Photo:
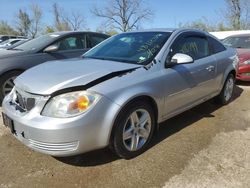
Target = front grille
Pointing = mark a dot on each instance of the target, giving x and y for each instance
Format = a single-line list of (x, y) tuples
[(20, 101), (23, 101)]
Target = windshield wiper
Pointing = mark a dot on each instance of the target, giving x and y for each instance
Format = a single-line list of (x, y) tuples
[(101, 58), (112, 59)]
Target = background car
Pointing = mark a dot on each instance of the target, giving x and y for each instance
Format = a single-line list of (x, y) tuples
[(8, 43), (17, 44), (118, 92), (242, 44), (60, 45), (6, 37)]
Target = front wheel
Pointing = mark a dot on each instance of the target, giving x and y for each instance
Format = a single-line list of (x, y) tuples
[(226, 93), (7, 83), (133, 130)]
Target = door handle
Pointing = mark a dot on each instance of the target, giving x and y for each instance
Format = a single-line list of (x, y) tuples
[(210, 68)]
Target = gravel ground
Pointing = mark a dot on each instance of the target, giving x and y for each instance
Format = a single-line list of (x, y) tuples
[(207, 146), (225, 163)]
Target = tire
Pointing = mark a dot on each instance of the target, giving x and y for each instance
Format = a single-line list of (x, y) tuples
[(131, 139), (227, 91), (6, 83)]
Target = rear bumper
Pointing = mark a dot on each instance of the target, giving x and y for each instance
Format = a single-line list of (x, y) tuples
[(243, 73)]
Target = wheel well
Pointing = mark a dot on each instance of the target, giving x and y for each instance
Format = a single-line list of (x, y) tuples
[(7, 72), (148, 100), (145, 98), (233, 72)]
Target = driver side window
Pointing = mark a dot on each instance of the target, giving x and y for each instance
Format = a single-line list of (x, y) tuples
[(71, 43), (195, 46)]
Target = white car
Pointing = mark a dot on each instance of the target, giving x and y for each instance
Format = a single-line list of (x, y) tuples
[(10, 42)]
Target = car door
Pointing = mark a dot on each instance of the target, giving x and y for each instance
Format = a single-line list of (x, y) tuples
[(71, 46), (193, 82)]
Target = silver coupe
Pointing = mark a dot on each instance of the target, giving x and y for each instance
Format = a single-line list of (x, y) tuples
[(119, 92)]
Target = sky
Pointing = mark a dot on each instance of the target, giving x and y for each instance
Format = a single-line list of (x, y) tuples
[(167, 13)]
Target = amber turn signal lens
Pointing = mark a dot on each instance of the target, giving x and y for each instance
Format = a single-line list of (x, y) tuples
[(82, 103)]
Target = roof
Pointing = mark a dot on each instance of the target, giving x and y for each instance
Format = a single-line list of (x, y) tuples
[(158, 30), (169, 30), (73, 32)]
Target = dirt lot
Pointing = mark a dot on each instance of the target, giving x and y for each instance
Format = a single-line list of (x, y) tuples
[(207, 146)]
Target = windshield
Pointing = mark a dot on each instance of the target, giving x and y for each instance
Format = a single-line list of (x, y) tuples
[(237, 42), (36, 43), (136, 48)]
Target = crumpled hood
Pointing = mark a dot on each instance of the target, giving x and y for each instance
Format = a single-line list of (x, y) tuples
[(50, 77)]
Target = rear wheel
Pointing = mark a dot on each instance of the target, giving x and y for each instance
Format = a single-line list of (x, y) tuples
[(226, 93), (133, 130), (7, 83)]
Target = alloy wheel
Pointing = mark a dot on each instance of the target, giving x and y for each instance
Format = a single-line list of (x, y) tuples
[(229, 89), (137, 130), (8, 85)]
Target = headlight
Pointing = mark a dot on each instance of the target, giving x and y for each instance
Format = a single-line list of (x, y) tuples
[(70, 104)]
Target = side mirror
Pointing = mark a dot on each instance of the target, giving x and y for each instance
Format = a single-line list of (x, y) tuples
[(179, 58), (51, 48)]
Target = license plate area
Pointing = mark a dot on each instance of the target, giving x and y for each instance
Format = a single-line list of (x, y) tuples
[(9, 123)]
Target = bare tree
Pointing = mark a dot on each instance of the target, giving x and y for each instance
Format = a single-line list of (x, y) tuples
[(201, 24), (65, 21), (23, 22), (35, 20), (245, 22), (234, 13), (75, 20), (49, 29), (60, 24), (6, 29), (124, 15), (237, 14)]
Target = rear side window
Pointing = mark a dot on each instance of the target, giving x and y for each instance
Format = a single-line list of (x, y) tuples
[(216, 46), (237, 41), (96, 39)]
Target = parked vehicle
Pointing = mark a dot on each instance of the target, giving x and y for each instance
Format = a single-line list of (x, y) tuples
[(118, 92), (17, 44), (53, 46), (224, 34), (6, 37), (242, 44), (8, 43)]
